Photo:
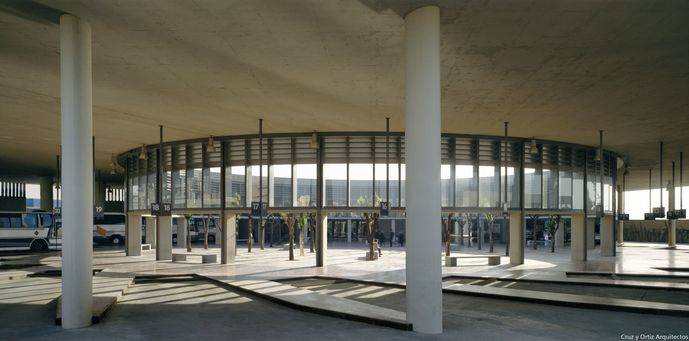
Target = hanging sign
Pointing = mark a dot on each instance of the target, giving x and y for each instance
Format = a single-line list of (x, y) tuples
[(622, 216), (384, 208), (98, 212), (659, 212), (161, 210), (259, 209)]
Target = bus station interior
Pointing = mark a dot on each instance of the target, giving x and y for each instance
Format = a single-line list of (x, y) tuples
[(352, 168)]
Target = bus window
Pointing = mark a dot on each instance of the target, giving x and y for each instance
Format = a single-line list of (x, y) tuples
[(30, 220), (113, 219), (46, 220), (15, 220), (5, 221)]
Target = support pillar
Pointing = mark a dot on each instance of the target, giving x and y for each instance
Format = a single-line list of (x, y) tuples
[(516, 238), (228, 239), (46, 184), (607, 241), (620, 233), (133, 235), (672, 234), (578, 245), (422, 138), (182, 232), (321, 238), (349, 231), (151, 231), (591, 233), (163, 238), (77, 171)]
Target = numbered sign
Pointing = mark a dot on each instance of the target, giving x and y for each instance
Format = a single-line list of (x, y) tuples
[(259, 209), (681, 214), (622, 216), (161, 210), (659, 212), (384, 208), (98, 212), (649, 216)]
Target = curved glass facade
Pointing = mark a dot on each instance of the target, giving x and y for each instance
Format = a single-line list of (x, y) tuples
[(359, 170)]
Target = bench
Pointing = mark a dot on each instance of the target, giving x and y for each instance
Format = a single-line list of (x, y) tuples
[(145, 247), (205, 257), (454, 260)]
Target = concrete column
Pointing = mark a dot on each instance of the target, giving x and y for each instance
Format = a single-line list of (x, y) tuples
[(455, 231), (578, 246), (321, 238), (422, 138), (163, 237), (620, 209), (349, 231), (591, 233), (620, 233), (560, 235), (77, 171), (516, 238), (133, 235), (182, 232), (607, 242), (151, 231), (228, 239), (672, 234), (46, 184)]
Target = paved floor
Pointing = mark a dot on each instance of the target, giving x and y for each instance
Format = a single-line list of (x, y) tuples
[(184, 310)]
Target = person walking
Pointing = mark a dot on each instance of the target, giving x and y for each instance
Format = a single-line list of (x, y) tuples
[(392, 237)]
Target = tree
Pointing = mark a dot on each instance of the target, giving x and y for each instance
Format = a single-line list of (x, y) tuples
[(490, 219), (250, 239), (461, 221), (371, 222), (551, 227), (303, 222), (261, 232), (206, 222), (448, 233), (291, 221), (312, 231)]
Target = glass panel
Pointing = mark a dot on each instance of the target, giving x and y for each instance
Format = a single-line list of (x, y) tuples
[(550, 198), (306, 185), (236, 186), (403, 180), (133, 193), (488, 186), (578, 190), (565, 189), (167, 186), (151, 189), (211, 187), (335, 178), (607, 189), (465, 178), (256, 185), (593, 188), (532, 188), (194, 178), (380, 183), (394, 177), (30, 220), (142, 192), (179, 184), (512, 186), (445, 185), (360, 184), (281, 185)]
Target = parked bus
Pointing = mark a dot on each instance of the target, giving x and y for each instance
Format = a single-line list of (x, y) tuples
[(37, 231), (109, 229)]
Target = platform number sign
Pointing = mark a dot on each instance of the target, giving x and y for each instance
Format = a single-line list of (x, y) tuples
[(161, 210), (622, 216), (98, 212), (259, 208), (384, 208)]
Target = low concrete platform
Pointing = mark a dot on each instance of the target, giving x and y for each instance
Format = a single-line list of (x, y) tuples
[(453, 260), (310, 301), (108, 287), (581, 301), (206, 258)]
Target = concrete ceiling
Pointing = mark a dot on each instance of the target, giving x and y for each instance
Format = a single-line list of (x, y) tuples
[(557, 70)]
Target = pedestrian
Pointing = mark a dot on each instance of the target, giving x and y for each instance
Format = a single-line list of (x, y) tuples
[(400, 239), (392, 237)]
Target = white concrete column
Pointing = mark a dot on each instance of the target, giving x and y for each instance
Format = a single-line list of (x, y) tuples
[(422, 143), (77, 171), (591, 233), (620, 233), (516, 238), (620, 209), (321, 238), (182, 232), (151, 231), (133, 235), (607, 242), (560, 235), (163, 238), (46, 184), (578, 245), (349, 231), (672, 234), (228, 239)]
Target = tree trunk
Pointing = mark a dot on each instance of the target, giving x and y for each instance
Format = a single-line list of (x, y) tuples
[(490, 237), (205, 232), (188, 218), (302, 231), (312, 230), (250, 240), (369, 227), (479, 233), (261, 233), (290, 225), (448, 239), (507, 239)]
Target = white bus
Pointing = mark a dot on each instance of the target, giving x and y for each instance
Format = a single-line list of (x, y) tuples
[(109, 229), (37, 231)]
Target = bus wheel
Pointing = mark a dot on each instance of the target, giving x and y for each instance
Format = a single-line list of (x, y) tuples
[(39, 246), (116, 240)]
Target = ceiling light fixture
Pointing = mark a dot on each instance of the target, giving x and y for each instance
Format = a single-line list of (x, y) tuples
[(534, 147), (142, 154), (314, 141), (210, 146)]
